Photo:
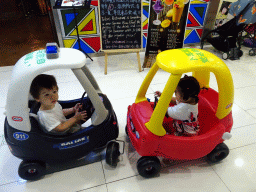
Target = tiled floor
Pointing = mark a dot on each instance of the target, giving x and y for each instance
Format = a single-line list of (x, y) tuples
[(236, 173)]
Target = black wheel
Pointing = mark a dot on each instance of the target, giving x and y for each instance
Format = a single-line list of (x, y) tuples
[(126, 130), (112, 153), (252, 52), (219, 153), (148, 166), (240, 53), (225, 56), (31, 170)]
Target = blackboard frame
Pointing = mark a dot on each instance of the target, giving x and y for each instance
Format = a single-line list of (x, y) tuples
[(120, 50)]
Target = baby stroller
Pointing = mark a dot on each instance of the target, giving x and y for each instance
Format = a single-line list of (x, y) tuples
[(249, 39), (227, 38)]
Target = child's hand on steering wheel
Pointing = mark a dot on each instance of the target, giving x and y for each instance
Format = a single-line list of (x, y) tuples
[(78, 106), (158, 93), (80, 115)]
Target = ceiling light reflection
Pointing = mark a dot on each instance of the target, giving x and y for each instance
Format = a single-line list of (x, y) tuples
[(239, 162)]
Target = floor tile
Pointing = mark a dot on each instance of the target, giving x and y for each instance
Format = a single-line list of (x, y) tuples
[(120, 107), (126, 167), (102, 188), (8, 166), (183, 177), (120, 62), (237, 171), (249, 67), (3, 94), (241, 117), (2, 119), (70, 90), (242, 136), (62, 75), (27, 187), (245, 97), (122, 86), (243, 79), (6, 68), (82, 177), (2, 142), (157, 87), (5, 77), (252, 112)]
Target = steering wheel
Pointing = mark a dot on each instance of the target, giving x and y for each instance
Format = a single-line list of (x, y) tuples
[(155, 102), (86, 105)]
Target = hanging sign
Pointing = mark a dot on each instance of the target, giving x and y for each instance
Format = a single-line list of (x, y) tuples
[(166, 30)]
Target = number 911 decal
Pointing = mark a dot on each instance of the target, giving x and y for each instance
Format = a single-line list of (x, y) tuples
[(20, 136)]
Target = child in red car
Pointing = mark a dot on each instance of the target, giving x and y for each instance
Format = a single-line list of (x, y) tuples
[(185, 110)]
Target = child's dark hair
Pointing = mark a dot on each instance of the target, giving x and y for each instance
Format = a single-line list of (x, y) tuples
[(42, 81), (225, 5), (189, 87)]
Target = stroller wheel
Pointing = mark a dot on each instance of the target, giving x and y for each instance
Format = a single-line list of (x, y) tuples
[(252, 52), (225, 56)]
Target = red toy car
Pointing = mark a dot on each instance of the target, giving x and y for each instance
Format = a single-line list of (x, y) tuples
[(147, 123)]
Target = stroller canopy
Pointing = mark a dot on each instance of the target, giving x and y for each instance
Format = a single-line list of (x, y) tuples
[(245, 9)]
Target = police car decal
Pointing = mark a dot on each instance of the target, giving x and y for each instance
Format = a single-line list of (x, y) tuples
[(73, 143), (20, 136)]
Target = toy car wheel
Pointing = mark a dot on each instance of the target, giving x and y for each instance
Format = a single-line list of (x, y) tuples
[(225, 56), (31, 170), (240, 53), (126, 130), (219, 153), (148, 166), (112, 153), (251, 52)]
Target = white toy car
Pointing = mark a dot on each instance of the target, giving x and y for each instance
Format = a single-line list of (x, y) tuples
[(29, 141)]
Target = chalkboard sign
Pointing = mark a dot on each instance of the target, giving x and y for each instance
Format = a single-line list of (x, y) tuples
[(120, 24)]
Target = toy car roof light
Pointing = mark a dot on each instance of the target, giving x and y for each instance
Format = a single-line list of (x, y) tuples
[(52, 50)]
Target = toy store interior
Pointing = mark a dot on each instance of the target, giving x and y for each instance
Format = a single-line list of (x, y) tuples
[(119, 67)]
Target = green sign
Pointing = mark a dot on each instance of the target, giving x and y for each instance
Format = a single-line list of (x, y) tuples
[(40, 57), (195, 54)]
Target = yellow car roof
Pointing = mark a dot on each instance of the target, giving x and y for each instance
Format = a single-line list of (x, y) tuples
[(179, 61)]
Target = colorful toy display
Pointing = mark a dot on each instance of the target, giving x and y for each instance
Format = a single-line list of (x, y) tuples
[(29, 141), (147, 125)]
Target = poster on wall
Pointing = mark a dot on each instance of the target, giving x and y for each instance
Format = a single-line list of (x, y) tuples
[(120, 24), (167, 22)]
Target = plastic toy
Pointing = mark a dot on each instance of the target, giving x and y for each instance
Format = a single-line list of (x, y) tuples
[(146, 125), (52, 51), (36, 147)]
